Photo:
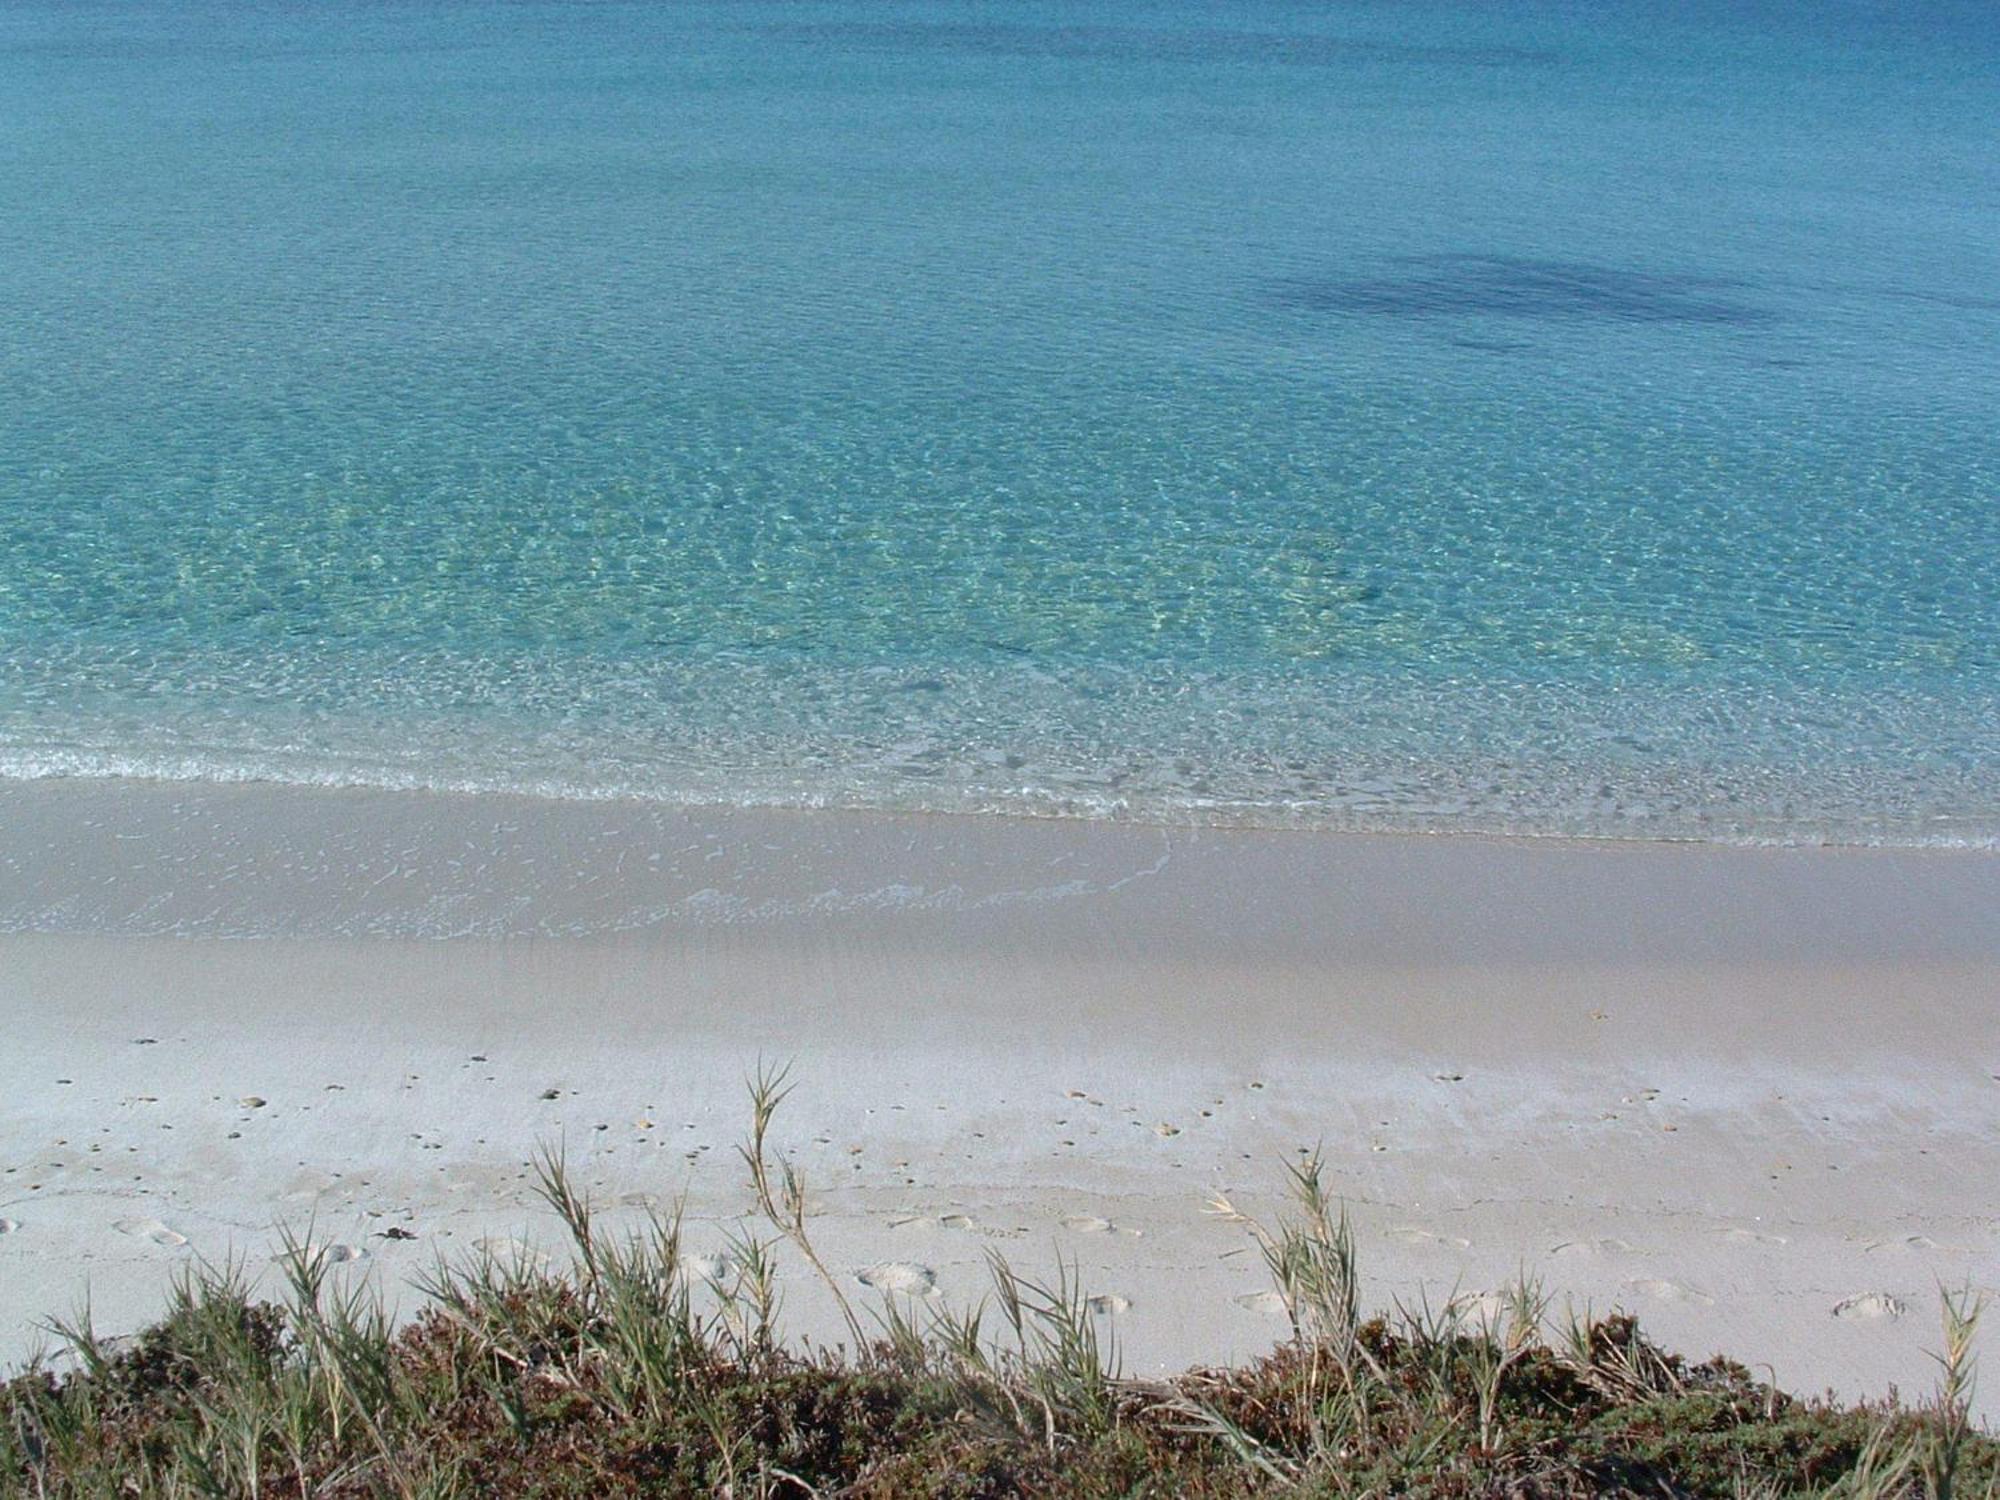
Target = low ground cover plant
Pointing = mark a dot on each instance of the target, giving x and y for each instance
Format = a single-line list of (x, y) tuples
[(637, 1370)]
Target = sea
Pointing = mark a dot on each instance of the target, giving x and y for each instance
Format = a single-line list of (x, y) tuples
[(1553, 417)]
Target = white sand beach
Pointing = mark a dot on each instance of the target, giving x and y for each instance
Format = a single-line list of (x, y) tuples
[(1748, 1094)]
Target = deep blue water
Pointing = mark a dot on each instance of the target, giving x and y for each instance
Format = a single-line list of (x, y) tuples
[(1566, 418)]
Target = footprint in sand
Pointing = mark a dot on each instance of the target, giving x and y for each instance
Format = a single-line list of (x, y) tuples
[(1753, 1237), (639, 1200), (1410, 1234), (1669, 1291), (1869, 1307), (1580, 1249), (1270, 1303), (960, 1222), (713, 1269), (1110, 1305), (902, 1277), (1914, 1244), (8, 1226), (151, 1229), (1087, 1224), (339, 1255), (1479, 1307), (510, 1252)]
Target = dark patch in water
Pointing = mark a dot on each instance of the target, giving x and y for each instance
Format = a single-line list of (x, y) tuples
[(1956, 300), (1493, 346), (1128, 43), (1447, 286)]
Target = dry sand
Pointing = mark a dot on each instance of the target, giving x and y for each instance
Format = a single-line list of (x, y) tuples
[(1748, 1094)]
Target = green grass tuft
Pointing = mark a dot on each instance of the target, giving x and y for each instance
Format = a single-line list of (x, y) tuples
[(618, 1375)]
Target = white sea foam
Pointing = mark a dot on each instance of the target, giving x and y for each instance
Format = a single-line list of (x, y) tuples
[(1853, 809)]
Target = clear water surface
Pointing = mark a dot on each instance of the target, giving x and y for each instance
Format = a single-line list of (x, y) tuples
[(1542, 417)]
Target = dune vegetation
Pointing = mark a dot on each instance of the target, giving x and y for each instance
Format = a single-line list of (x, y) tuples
[(636, 1369)]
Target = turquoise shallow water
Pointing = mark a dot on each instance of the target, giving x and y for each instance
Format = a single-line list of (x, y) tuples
[(1520, 417)]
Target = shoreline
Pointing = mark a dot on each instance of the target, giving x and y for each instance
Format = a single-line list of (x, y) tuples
[(1732, 1089), (1523, 759), (123, 856), (1191, 820)]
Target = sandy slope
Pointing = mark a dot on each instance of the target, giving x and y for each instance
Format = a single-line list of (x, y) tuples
[(1749, 1094)]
